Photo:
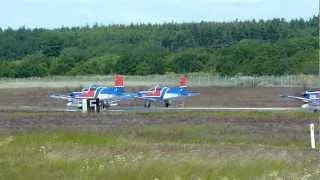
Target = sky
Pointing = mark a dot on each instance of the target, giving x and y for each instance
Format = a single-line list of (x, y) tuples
[(57, 13)]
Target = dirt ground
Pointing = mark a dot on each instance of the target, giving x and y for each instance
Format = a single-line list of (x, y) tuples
[(18, 110), (243, 97), (210, 97), (235, 136)]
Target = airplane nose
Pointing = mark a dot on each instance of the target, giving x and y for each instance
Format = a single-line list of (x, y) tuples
[(305, 106)]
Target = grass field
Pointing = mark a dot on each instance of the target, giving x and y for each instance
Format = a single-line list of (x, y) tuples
[(195, 79), (37, 143), (197, 145)]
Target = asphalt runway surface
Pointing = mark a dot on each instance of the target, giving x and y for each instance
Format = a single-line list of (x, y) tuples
[(31, 110), (152, 109), (211, 99)]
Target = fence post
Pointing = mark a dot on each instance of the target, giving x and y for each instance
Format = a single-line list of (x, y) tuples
[(319, 130), (313, 143), (97, 105), (253, 81), (84, 106)]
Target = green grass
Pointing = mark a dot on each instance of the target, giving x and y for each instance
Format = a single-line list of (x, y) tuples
[(156, 152), (195, 79), (77, 138), (35, 165), (199, 114), (249, 115), (222, 134)]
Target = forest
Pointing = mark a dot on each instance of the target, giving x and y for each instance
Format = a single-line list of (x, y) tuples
[(255, 48)]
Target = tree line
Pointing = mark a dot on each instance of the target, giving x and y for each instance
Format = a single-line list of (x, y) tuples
[(263, 47)]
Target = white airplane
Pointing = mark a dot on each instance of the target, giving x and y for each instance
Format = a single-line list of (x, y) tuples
[(108, 96), (166, 95), (310, 99)]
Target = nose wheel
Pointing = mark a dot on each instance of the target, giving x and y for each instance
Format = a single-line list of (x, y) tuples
[(167, 103), (105, 104), (147, 104)]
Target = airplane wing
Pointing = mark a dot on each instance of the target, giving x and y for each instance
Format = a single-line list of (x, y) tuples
[(128, 95), (122, 97), (147, 99), (296, 98), (184, 96), (61, 96), (114, 101), (190, 94)]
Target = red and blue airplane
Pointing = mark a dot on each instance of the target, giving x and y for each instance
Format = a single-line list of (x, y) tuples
[(108, 96), (310, 99), (166, 95)]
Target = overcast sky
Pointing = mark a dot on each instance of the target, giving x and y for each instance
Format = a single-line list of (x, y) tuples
[(57, 13)]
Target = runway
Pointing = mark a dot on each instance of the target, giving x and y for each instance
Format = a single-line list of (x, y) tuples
[(213, 109), (232, 108), (152, 109)]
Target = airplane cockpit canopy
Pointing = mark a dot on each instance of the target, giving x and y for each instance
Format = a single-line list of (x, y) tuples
[(90, 87), (155, 88)]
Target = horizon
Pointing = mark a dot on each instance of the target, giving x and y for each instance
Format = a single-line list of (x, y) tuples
[(92, 25), (46, 14)]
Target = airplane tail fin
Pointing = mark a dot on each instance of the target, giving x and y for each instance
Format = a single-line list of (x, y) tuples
[(183, 81), (119, 82), (183, 87)]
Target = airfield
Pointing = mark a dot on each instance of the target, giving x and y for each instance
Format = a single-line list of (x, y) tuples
[(212, 99), (225, 133)]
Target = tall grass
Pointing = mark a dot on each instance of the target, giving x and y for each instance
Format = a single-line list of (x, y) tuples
[(195, 79), (155, 152)]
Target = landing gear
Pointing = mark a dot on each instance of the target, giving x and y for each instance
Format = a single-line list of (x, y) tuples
[(105, 105), (147, 104), (167, 103), (91, 105)]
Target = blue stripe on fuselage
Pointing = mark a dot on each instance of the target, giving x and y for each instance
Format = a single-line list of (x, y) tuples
[(173, 90), (315, 103), (312, 95), (152, 97), (118, 90), (98, 91), (178, 90), (110, 90), (163, 92)]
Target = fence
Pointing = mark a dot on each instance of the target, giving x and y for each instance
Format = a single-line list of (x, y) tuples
[(198, 79)]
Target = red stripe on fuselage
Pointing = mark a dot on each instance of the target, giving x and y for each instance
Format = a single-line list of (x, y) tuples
[(89, 94), (154, 93)]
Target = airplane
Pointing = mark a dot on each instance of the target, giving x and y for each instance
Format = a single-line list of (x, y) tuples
[(166, 95), (108, 96), (311, 100)]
